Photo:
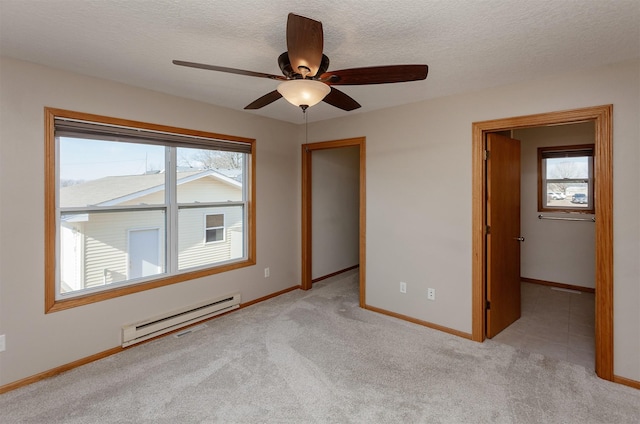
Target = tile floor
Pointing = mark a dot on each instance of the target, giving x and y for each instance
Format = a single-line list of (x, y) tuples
[(554, 323)]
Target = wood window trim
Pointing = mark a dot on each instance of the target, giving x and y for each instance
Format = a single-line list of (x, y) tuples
[(541, 186), (51, 304)]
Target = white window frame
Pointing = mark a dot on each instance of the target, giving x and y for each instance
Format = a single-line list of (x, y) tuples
[(223, 228)]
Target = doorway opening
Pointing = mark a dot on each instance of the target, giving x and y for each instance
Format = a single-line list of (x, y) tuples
[(557, 247), (307, 223), (603, 192)]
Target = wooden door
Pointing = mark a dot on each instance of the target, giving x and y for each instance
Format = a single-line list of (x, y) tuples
[(503, 232)]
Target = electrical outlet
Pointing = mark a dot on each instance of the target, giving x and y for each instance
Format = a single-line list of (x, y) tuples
[(3, 343), (431, 294), (267, 273), (403, 287)]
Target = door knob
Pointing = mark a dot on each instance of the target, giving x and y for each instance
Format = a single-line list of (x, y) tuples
[(519, 238)]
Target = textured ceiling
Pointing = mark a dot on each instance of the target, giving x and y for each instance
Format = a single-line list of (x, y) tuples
[(468, 44)]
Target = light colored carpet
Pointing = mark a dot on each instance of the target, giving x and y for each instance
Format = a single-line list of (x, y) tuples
[(315, 357)]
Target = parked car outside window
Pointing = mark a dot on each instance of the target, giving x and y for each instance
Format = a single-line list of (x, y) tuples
[(579, 198)]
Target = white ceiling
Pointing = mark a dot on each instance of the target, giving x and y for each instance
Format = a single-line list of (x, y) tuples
[(468, 44)]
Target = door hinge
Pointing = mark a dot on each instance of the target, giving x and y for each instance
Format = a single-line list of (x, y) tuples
[(488, 305), (486, 155), (487, 229)]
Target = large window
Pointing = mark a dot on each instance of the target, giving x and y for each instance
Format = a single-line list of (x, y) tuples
[(565, 176), (126, 203)]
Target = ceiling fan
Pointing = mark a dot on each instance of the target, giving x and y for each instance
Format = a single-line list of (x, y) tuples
[(306, 80)]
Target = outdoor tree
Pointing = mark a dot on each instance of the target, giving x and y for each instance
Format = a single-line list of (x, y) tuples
[(569, 170), (70, 182), (211, 159)]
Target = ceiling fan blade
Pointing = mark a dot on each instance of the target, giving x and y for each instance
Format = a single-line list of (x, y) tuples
[(264, 100), (305, 42), (340, 100), (228, 70), (376, 75)]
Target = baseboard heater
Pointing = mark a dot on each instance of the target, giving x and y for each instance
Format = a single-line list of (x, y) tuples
[(153, 327)]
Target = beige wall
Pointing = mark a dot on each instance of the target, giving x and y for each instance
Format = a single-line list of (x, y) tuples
[(335, 190), (37, 342), (557, 251), (419, 156)]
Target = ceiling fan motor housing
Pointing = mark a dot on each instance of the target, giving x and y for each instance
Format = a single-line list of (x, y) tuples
[(285, 66)]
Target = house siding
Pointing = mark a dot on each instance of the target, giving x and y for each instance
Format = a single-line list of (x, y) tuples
[(193, 251), (208, 189), (106, 235), (106, 244)]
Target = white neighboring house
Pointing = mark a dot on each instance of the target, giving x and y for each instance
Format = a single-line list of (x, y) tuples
[(113, 246)]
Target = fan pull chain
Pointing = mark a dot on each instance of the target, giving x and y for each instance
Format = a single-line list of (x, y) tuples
[(306, 123)]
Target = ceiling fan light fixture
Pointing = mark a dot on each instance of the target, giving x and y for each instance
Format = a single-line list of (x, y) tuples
[(303, 92), (304, 66)]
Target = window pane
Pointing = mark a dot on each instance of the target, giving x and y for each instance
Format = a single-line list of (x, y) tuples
[(567, 195), (215, 221), (578, 195), (567, 168), (215, 235), (127, 206), (193, 251), (99, 249), (107, 173), (212, 175)]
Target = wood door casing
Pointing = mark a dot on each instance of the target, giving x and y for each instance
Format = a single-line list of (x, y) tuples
[(602, 116), (307, 150), (503, 220)]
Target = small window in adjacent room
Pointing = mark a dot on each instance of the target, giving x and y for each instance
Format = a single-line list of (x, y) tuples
[(565, 179), (214, 230)]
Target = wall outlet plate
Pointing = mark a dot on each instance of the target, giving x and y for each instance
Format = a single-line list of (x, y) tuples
[(403, 287), (3, 343), (431, 294)]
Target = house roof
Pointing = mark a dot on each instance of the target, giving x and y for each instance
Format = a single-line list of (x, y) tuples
[(113, 190), (469, 45)]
